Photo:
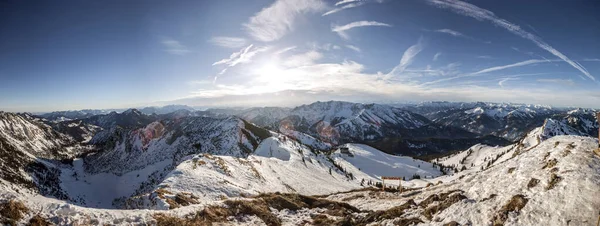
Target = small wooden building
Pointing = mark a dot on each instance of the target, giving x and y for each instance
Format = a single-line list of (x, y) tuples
[(346, 151)]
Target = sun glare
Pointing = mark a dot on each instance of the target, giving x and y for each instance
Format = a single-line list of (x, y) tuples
[(270, 72)]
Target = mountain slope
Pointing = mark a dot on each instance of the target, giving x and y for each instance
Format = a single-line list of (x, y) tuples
[(30, 152)]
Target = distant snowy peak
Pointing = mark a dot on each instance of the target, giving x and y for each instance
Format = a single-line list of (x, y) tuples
[(576, 122), (265, 116), (70, 115), (338, 113), (336, 121), (165, 109)]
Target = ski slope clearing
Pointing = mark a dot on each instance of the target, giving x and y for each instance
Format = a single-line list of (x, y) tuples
[(368, 163)]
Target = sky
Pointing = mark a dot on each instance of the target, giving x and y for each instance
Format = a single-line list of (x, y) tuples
[(67, 55)]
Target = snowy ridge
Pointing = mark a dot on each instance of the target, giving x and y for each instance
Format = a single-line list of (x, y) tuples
[(564, 170)]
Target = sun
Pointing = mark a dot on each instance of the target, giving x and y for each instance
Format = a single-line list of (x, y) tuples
[(270, 72)]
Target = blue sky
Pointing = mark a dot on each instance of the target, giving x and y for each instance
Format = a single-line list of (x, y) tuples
[(59, 55)]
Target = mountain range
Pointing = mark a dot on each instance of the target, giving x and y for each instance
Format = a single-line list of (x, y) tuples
[(66, 165)]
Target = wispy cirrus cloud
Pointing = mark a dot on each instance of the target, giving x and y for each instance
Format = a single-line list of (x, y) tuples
[(245, 55), (408, 57), (175, 47), (484, 57), (228, 42), (458, 34), (473, 11), (345, 2), (437, 56), (568, 82), (504, 80), (353, 48), (451, 32), (277, 20), (347, 6), (341, 30), (502, 67), (489, 70)]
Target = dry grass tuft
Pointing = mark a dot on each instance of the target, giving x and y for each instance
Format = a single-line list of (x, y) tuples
[(554, 179), (37, 220), (392, 213), (515, 204), (408, 221), (511, 169), (215, 214), (254, 207), (161, 192), (489, 197), (550, 163), (452, 223), (533, 182), (322, 220), (295, 202), (357, 196), (221, 163), (12, 211), (444, 204), (435, 197)]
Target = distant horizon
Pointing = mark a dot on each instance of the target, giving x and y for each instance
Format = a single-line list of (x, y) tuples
[(204, 108)]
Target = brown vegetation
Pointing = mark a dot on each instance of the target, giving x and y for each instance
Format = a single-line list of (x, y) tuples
[(554, 179), (452, 223), (37, 220), (489, 197), (550, 163), (357, 196), (322, 220), (392, 213), (511, 169), (515, 204), (444, 204), (213, 214), (532, 183), (12, 211)]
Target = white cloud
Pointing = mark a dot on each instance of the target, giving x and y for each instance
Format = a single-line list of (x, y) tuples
[(436, 56), (451, 32), (491, 69), (353, 48), (340, 30), (303, 59), (470, 10), (558, 81), (242, 56), (277, 20), (228, 42), (284, 50), (175, 47), (518, 64), (345, 2), (504, 80), (347, 6), (408, 57)]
